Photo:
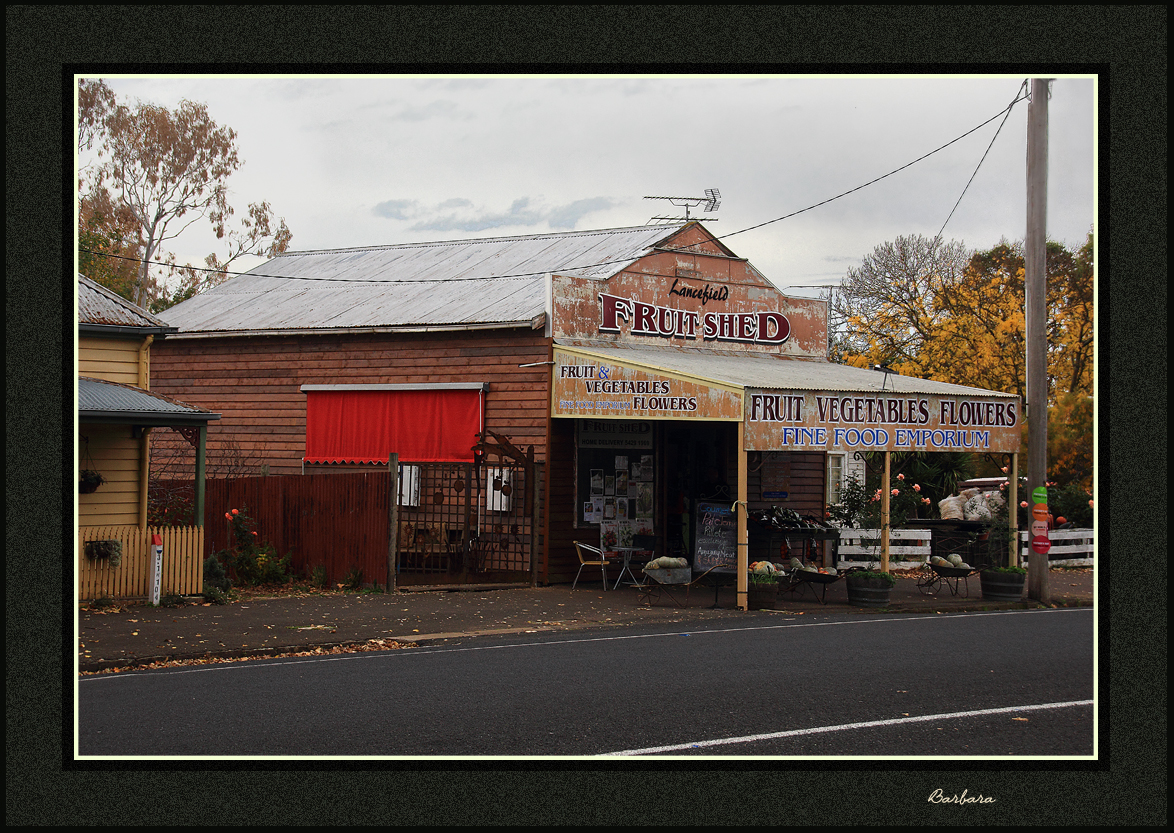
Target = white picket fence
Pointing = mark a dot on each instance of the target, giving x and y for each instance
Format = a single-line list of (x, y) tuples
[(861, 546), (1070, 547)]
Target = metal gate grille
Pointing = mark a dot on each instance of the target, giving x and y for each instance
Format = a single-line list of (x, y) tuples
[(458, 519)]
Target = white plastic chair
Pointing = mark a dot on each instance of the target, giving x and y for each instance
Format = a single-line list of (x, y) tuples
[(590, 556)]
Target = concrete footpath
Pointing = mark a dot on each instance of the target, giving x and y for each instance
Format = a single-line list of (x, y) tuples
[(298, 621)]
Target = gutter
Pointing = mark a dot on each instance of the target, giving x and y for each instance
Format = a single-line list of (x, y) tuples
[(155, 419), (123, 331), (535, 323)]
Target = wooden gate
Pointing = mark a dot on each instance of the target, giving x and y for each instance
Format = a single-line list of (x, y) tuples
[(464, 520)]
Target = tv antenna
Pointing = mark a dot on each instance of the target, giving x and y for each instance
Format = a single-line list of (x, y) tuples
[(711, 201), (885, 369)]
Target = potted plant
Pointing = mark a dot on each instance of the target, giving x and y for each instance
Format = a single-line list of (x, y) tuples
[(1002, 584), (109, 551), (89, 481), (869, 588), (762, 590)]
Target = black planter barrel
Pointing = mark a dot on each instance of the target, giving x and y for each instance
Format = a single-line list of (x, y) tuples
[(761, 596), (1002, 587), (868, 592)]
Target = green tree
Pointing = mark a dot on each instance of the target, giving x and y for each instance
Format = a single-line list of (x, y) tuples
[(978, 332), (108, 246), (165, 169), (911, 306), (981, 329), (883, 312), (1070, 430), (256, 235)]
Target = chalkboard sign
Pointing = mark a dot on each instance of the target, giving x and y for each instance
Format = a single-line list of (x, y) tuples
[(717, 538)]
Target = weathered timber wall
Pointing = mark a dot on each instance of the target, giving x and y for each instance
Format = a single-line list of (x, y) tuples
[(254, 383)]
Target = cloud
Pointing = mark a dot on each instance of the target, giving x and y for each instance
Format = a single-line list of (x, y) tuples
[(427, 112), (565, 217), (394, 209), (520, 213)]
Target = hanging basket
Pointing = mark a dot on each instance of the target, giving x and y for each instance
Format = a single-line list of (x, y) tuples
[(105, 550), (89, 481)]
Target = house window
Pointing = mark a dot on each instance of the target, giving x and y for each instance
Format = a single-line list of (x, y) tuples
[(366, 423), (835, 477), (840, 468)]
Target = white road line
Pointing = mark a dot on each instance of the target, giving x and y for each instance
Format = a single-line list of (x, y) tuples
[(702, 744)]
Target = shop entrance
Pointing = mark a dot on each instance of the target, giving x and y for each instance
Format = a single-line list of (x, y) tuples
[(638, 480), (700, 465)]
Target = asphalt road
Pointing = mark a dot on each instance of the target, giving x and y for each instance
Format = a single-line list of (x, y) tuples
[(1002, 683)]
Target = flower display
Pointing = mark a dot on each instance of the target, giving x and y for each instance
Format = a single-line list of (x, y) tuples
[(251, 561)]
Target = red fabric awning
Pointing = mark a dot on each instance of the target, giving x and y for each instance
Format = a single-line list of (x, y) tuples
[(365, 426)]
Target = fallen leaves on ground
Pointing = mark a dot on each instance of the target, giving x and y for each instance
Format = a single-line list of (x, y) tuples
[(350, 648)]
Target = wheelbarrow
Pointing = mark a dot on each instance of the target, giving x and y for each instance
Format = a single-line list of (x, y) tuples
[(931, 580), (799, 580)]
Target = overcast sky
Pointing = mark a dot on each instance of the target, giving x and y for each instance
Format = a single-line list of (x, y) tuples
[(370, 160)]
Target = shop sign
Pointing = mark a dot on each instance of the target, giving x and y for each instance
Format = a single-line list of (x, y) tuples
[(640, 318), (826, 421), (614, 434), (590, 386)]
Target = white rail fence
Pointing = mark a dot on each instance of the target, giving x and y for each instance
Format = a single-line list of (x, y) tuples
[(864, 545), (1070, 547)]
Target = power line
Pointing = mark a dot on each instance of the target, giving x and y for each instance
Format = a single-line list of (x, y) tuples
[(1005, 113), (1018, 98)]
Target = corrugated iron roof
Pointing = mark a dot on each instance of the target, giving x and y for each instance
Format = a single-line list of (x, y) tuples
[(97, 305), (100, 400), (769, 372), (458, 283)]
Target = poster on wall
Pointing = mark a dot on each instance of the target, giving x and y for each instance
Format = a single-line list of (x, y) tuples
[(643, 500), (616, 484)]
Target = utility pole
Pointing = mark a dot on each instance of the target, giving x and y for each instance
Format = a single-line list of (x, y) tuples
[(1035, 325)]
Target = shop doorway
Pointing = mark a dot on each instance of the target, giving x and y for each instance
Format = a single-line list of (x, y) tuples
[(700, 465)]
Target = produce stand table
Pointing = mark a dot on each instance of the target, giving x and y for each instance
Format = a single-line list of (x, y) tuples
[(669, 582), (766, 543)]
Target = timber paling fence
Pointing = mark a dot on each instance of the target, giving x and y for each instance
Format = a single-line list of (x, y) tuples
[(452, 519), (182, 571), (335, 521)]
